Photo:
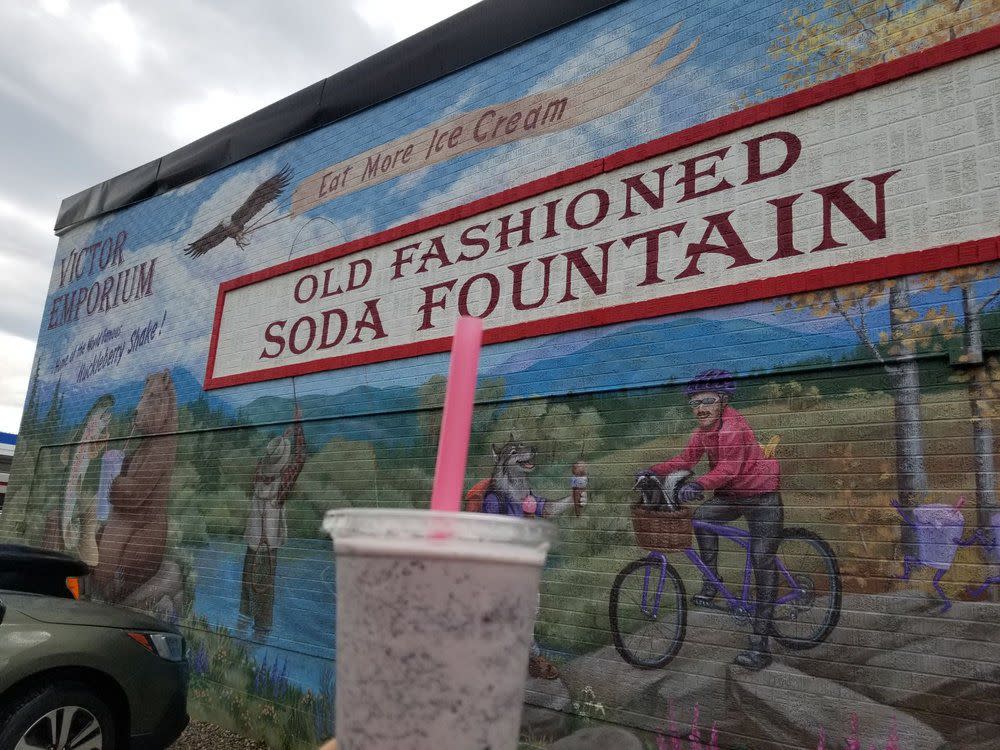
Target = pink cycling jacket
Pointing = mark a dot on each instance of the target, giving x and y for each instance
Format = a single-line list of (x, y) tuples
[(737, 463)]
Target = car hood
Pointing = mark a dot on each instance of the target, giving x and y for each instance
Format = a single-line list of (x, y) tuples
[(55, 611)]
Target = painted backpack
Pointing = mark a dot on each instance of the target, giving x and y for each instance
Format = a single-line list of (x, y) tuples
[(475, 496)]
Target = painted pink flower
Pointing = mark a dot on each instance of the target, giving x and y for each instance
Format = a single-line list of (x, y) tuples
[(675, 741), (695, 737), (853, 742), (893, 743), (822, 739), (713, 741)]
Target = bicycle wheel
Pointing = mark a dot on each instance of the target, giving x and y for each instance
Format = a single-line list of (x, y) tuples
[(806, 613), (644, 638)]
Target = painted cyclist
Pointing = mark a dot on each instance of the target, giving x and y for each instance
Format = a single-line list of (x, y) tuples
[(744, 483)]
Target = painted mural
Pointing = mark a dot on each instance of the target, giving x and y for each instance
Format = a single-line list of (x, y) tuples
[(777, 502)]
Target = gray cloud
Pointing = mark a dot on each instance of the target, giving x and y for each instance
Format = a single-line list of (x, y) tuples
[(90, 89), (117, 77)]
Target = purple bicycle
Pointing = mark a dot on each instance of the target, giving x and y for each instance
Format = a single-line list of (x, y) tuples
[(648, 603)]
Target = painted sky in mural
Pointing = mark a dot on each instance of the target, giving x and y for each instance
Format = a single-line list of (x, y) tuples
[(172, 301), (165, 298)]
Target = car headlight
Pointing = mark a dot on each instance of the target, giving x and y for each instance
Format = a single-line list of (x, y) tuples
[(169, 646)]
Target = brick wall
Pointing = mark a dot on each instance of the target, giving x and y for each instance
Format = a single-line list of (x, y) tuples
[(865, 365)]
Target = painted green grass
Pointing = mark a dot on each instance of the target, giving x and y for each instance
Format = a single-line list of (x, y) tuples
[(229, 688)]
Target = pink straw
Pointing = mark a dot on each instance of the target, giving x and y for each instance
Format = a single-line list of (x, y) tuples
[(456, 421)]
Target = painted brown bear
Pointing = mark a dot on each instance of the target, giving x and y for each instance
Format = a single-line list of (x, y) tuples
[(132, 545)]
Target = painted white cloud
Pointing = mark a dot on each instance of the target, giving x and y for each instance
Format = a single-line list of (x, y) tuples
[(514, 163), (649, 117)]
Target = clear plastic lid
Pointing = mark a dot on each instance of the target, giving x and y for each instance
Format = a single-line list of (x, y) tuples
[(402, 525)]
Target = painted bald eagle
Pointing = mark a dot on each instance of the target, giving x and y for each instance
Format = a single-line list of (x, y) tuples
[(237, 227)]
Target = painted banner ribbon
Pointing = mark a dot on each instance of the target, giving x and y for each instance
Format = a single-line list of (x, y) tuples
[(536, 114)]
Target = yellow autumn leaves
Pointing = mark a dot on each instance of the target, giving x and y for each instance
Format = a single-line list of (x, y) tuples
[(848, 35)]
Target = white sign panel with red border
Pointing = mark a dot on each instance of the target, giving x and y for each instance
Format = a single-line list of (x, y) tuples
[(889, 171)]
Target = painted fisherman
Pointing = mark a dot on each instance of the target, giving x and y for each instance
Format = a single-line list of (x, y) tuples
[(744, 483), (267, 526)]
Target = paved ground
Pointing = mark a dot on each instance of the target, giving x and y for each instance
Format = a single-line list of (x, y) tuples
[(202, 736)]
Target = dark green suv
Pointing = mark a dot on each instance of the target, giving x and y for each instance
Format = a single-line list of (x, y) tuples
[(78, 675)]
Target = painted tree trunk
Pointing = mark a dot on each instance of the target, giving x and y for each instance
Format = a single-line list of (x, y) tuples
[(911, 474), (982, 426), (904, 378)]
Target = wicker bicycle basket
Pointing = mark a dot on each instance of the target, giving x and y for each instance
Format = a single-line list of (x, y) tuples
[(662, 530)]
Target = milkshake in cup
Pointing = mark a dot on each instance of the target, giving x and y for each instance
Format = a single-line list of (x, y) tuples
[(435, 617)]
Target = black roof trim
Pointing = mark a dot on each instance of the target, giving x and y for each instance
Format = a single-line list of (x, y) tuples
[(479, 32)]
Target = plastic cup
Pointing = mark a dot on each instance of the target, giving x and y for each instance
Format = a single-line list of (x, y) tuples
[(435, 615)]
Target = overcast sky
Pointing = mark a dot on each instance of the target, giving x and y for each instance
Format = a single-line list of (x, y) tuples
[(90, 89)]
